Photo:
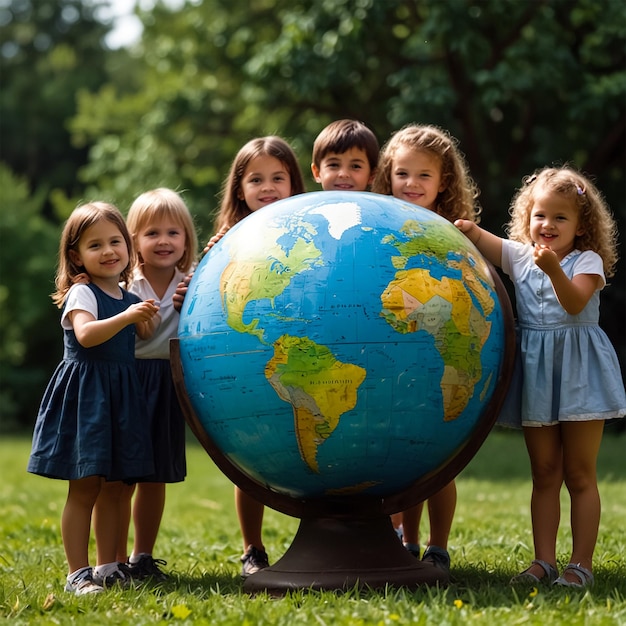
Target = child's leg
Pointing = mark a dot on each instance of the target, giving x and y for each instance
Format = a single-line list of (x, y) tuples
[(147, 514), (411, 524), (441, 507), (396, 520), (126, 497), (546, 463), (76, 520), (107, 521), (581, 445), (250, 514)]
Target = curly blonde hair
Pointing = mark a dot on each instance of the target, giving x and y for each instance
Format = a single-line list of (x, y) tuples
[(458, 199), (594, 216)]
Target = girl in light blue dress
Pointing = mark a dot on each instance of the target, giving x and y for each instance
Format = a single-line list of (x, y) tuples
[(562, 244)]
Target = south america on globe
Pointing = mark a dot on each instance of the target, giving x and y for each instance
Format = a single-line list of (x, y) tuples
[(341, 343)]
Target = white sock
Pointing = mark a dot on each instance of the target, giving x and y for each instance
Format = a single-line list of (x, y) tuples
[(105, 569), (135, 558), (74, 575)]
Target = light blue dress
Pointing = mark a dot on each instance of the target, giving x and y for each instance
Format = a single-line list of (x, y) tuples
[(567, 367)]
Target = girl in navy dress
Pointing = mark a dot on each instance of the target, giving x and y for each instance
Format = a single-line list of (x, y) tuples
[(91, 429), (562, 243), (166, 242)]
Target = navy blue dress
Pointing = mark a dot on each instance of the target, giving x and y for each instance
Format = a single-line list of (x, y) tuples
[(92, 419)]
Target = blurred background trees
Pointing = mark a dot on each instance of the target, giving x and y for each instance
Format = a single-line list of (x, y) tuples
[(520, 83)]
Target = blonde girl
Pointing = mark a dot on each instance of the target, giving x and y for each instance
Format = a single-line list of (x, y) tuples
[(165, 238), (91, 429), (562, 245)]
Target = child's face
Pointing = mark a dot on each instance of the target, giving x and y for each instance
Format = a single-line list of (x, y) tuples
[(416, 177), (264, 181), (348, 171), (161, 244), (102, 252), (554, 222)]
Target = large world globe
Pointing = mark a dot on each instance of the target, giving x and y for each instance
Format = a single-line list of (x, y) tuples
[(341, 346)]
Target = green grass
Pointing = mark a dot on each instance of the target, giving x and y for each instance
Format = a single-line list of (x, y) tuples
[(200, 540)]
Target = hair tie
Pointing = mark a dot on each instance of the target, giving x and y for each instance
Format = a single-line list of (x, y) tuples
[(579, 190)]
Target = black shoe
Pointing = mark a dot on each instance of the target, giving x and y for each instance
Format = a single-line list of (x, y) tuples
[(413, 548), (438, 557), (253, 561), (147, 567), (118, 577)]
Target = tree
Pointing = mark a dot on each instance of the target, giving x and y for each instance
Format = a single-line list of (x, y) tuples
[(30, 335), (50, 49), (520, 84)]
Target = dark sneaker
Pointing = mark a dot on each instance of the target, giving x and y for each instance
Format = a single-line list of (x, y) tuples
[(83, 583), (438, 557), (413, 548), (119, 576), (147, 567), (253, 561)]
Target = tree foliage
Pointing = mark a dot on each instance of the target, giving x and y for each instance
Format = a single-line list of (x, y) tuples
[(521, 84), (50, 49)]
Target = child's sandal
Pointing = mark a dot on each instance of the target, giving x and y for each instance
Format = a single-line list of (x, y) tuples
[(585, 577), (527, 578)]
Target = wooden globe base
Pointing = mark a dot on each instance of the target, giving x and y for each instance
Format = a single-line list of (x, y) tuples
[(340, 553)]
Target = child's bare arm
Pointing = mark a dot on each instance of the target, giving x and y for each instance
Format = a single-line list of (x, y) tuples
[(489, 245), (91, 332), (573, 294)]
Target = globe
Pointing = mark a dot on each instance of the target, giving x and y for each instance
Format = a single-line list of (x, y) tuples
[(339, 349)]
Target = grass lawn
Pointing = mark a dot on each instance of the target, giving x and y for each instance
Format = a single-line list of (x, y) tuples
[(199, 539)]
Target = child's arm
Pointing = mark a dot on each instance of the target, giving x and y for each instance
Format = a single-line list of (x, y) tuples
[(91, 332), (490, 246), (573, 294)]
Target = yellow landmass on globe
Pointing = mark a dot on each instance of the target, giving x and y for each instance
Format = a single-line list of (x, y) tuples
[(319, 388), (416, 300)]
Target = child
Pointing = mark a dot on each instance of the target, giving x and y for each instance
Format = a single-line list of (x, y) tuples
[(423, 165), (345, 155), (91, 428), (165, 239), (264, 170), (562, 243)]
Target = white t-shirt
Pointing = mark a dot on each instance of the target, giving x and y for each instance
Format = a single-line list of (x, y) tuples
[(158, 346), (78, 298)]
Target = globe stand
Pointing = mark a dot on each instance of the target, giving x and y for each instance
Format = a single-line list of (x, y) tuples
[(339, 553)]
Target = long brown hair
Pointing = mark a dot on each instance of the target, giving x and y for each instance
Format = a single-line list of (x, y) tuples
[(233, 208)]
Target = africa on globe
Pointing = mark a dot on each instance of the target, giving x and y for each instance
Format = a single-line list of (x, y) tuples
[(341, 344)]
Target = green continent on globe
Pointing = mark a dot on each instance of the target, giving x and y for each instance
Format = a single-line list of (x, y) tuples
[(247, 278), (415, 300), (318, 386)]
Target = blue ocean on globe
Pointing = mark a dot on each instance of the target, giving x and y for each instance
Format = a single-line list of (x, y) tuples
[(341, 343)]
